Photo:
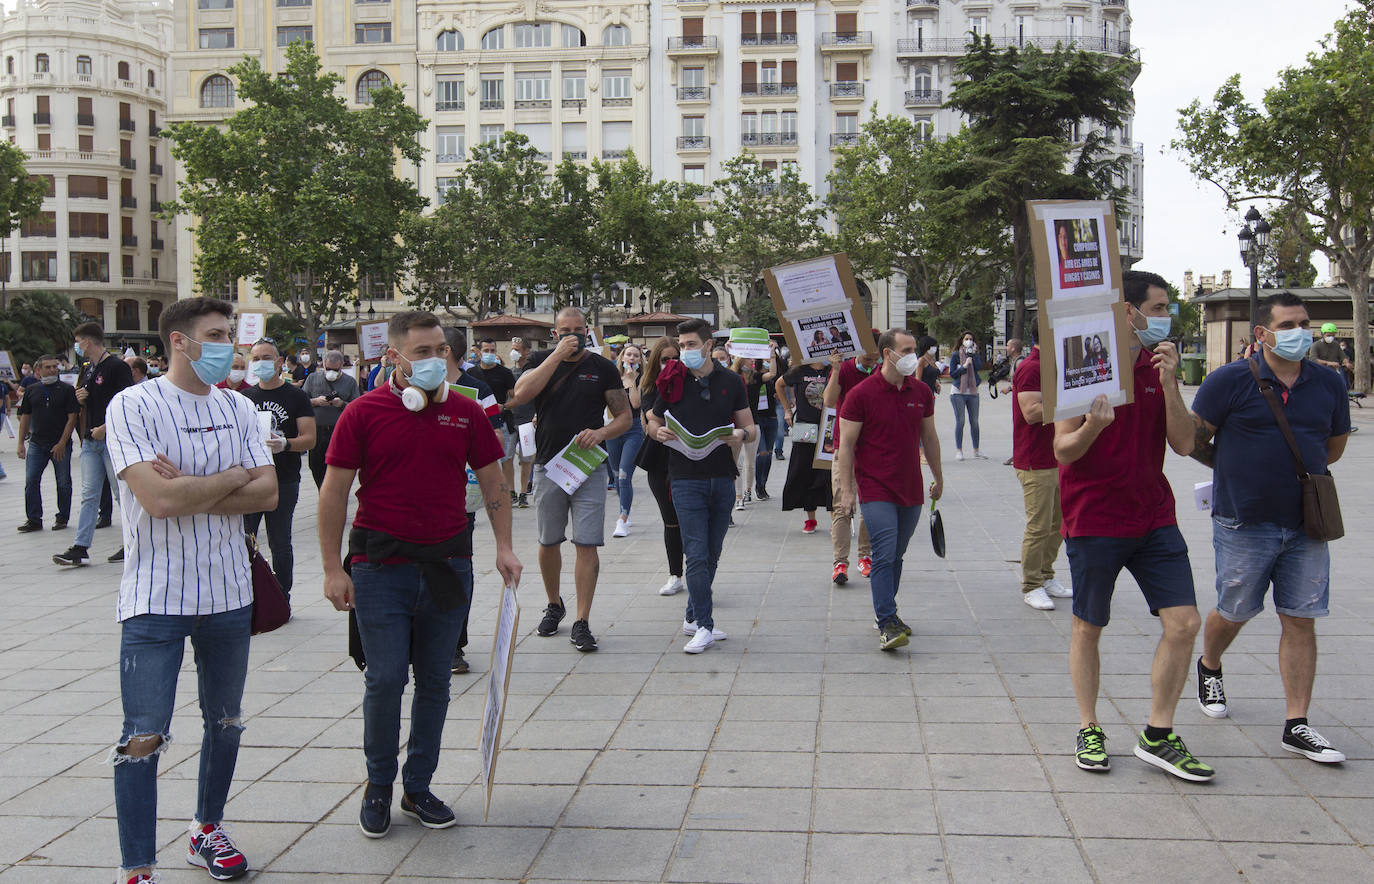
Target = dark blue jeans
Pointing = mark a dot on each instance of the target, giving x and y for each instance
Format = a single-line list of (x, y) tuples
[(150, 652), (768, 438), (620, 460), (401, 628), (703, 515), (36, 459), (890, 527), (782, 425), (279, 531)]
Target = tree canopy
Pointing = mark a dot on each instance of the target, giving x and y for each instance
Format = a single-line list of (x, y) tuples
[(37, 323), (20, 196)]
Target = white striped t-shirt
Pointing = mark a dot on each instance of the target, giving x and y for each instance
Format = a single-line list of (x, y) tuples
[(187, 564)]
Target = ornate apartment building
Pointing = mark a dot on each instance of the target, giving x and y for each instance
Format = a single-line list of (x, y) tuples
[(83, 93)]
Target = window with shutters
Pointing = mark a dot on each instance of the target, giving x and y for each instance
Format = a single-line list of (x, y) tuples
[(448, 93), (42, 224), (94, 225)]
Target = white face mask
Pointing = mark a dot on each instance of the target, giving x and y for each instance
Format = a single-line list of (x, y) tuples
[(932, 351), (305, 359), (514, 356), (236, 375), (331, 375), (969, 345), (906, 365), (1330, 339)]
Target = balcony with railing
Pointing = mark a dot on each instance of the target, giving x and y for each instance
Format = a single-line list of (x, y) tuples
[(617, 101), (492, 104), (840, 139), (128, 163), (7, 121), (449, 104), (949, 46), (779, 39), (532, 103), (129, 241), (922, 4), (620, 153), (768, 89), (42, 119), (154, 168), (694, 93), (158, 244), (448, 158), (155, 206), (846, 41), (1118, 4), (128, 202), (768, 139), (87, 120), (127, 126), (154, 131), (924, 98), (574, 154), (701, 44), (693, 142), (847, 89)]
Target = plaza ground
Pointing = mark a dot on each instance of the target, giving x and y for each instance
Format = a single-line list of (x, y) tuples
[(794, 751)]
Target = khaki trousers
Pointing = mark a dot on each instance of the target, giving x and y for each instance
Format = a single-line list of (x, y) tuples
[(1040, 546), (840, 528)]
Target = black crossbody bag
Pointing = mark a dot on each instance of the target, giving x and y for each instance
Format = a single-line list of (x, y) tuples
[(1321, 509)]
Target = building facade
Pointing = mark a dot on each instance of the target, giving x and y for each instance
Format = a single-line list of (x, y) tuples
[(83, 91)]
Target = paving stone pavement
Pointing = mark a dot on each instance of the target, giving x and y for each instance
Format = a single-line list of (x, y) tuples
[(793, 751)]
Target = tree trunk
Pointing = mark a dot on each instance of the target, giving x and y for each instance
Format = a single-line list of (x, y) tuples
[(1359, 301), (1021, 247)]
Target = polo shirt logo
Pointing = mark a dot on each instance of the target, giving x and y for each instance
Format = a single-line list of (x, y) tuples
[(1151, 390)]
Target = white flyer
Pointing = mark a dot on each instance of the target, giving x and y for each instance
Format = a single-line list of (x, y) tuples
[(526, 432), (573, 465)]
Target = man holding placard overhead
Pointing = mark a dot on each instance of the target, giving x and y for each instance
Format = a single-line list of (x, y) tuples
[(1119, 514)]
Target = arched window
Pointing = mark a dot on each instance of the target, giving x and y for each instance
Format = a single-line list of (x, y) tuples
[(40, 63), (923, 80), (615, 35), (495, 38), (155, 314), (448, 41), (573, 38), (9, 64), (123, 70), (925, 128), (152, 79), (373, 79), (83, 65), (217, 91), (126, 315)]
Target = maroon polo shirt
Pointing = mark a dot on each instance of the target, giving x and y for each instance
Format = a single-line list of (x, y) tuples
[(1117, 488), (1032, 445), (850, 377), (887, 455)]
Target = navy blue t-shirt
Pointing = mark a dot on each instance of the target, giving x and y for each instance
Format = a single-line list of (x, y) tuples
[(1255, 479)]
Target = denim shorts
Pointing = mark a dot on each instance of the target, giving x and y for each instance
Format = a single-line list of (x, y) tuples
[(1158, 562), (1252, 557), (554, 509)]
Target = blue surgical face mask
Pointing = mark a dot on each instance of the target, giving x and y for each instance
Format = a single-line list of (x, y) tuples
[(216, 358), (263, 369), (428, 374), (490, 359), (154, 371), (693, 359), (1156, 331), (1292, 343)]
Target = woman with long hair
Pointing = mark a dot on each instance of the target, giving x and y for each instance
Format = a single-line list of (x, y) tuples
[(964, 366), (622, 451), (653, 459)]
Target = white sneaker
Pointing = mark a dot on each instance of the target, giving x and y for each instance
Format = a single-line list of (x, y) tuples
[(958, 455), (700, 642), (690, 628), (739, 503), (626, 519), (621, 529), (1038, 599), (673, 586), (1054, 589)]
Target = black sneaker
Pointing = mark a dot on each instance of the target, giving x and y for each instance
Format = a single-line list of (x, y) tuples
[(375, 816), (891, 636), (103, 522), (74, 556), (553, 615), (460, 666), (524, 501), (212, 850), (59, 524), (901, 623), (514, 498), (582, 637), (777, 455), (762, 493), (116, 558), (29, 526), (1300, 739), (429, 810), (1169, 754), (1091, 753), (1211, 693)]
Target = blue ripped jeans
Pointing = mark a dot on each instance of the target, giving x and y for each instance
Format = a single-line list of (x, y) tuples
[(150, 651), (620, 461)]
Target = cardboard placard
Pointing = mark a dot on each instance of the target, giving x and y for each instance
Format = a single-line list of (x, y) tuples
[(498, 683), (749, 343), (252, 328), (820, 308), (372, 340), (1085, 338), (824, 458), (8, 372)]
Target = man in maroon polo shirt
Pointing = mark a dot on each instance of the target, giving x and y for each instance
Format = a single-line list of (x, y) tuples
[(1119, 513), (882, 421), (1032, 454), (845, 375)]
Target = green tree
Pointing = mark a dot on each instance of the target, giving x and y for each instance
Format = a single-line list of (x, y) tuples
[(759, 218), (298, 193), (20, 196), (35, 323), (1023, 105), (1289, 257), (758, 313), (897, 212), (1308, 149)]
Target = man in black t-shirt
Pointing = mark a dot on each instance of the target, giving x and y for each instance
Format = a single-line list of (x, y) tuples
[(570, 389), (293, 433), (47, 415), (103, 375), (501, 380), (703, 485)]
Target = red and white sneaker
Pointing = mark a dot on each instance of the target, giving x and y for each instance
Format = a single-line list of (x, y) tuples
[(840, 575), (144, 878), (212, 850), (865, 565), (809, 526)]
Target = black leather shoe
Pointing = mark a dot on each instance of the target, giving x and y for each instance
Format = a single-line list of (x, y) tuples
[(103, 522), (375, 817)]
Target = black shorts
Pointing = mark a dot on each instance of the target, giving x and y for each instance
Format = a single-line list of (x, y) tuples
[(1158, 562)]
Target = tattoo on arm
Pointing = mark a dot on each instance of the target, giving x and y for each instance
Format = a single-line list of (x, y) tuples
[(502, 496), (1204, 451), (617, 401)]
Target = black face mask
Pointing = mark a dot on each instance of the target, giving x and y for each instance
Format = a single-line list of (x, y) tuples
[(581, 340)]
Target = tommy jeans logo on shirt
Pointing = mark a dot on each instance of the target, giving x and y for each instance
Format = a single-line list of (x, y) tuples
[(210, 429)]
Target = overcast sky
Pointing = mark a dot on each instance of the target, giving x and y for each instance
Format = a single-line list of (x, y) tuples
[(1188, 49)]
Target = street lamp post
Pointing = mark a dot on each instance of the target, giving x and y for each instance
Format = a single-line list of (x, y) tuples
[(1254, 241), (596, 298)]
